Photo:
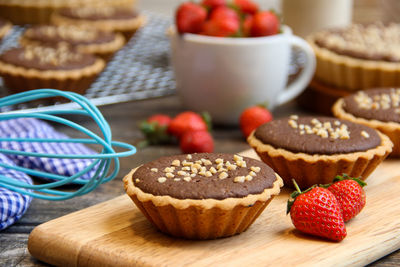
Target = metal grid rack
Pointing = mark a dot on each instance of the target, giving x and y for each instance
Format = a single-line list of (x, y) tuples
[(140, 70)]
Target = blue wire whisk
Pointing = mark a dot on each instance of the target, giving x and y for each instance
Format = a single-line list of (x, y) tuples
[(105, 170)]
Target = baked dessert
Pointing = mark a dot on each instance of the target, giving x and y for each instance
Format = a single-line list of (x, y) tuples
[(376, 108), (5, 27), (39, 11), (358, 56), (123, 20), (202, 196), (83, 39), (34, 67), (313, 150)]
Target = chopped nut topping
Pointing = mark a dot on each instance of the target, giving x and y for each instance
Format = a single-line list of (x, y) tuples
[(176, 163), (193, 175), (187, 178), (219, 161), (198, 162), (208, 174), (154, 169), (187, 163), (137, 180), (294, 117), (177, 179), (231, 167), (196, 166), (365, 134), (255, 169), (249, 178), (206, 162), (237, 158), (186, 168), (169, 175), (182, 173), (382, 101), (168, 169), (239, 179), (189, 156), (223, 175), (293, 123), (323, 130), (252, 173), (162, 180), (51, 55)]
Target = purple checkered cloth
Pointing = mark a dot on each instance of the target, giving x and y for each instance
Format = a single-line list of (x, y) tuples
[(33, 128), (13, 205)]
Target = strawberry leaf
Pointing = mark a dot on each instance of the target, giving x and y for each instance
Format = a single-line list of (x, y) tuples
[(345, 176), (207, 119)]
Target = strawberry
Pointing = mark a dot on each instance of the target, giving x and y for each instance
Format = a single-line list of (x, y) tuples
[(213, 3), (196, 142), (316, 211), (246, 6), (246, 25), (155, 130), (188, 121), (264, 23), (350, 194), (190, 17), (253, 117), (223, 22), (160, 119)]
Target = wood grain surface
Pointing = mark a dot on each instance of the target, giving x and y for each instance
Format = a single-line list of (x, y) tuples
[(115, 233)]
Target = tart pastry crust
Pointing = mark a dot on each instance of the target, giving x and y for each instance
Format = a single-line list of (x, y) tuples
[(201, 218), (391, 129), (308, 169), (352, 73)]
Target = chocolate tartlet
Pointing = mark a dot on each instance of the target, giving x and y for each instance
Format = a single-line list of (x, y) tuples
[(5, 28), (376, 108), (83, 39), (123, 20), (39, 11), (202, 196), (313, 150), (58, 67), (359, 56)]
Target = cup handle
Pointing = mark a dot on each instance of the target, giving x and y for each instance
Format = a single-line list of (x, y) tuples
[(298, 85)]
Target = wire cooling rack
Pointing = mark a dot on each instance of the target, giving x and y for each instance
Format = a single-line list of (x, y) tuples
[(140, 70)]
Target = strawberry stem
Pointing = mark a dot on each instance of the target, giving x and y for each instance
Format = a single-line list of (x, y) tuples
[(296, 186)]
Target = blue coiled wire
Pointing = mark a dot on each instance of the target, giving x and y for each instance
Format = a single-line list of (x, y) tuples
[(102, 161)]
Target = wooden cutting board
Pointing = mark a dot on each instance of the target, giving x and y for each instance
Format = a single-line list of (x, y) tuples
[(115, 233)]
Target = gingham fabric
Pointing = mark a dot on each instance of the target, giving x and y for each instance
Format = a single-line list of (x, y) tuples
[(12, 205), (33, 128)]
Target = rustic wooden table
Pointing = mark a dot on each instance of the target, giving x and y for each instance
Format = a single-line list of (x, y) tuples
[(123, 119)]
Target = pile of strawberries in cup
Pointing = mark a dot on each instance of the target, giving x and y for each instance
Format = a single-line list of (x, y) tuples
[(226, 18)]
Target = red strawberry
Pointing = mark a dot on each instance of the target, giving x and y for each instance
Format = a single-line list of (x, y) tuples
[(246, 6), (246, 26), (155, 130), (190, 17), (350, 194), (223, 22), (213, 3), (161, 119), (223, 12), (253, 117), (188, 121), (264, 23), (196, 142), (316, 211)]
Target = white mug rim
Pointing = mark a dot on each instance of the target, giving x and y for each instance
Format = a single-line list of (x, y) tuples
[(204, 39)]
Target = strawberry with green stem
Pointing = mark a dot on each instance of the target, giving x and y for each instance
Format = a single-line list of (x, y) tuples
[(316, 211)]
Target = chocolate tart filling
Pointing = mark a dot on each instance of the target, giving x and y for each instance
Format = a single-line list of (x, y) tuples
[(47, 58), (374, 41), (317, 135), (376, 104), (218, 180), (51, 35), (98, 13)]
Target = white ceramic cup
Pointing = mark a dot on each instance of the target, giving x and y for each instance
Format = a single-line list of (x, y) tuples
[(226, 75)]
